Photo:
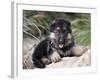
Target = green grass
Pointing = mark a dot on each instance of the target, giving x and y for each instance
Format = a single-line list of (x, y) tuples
[(36, 24)]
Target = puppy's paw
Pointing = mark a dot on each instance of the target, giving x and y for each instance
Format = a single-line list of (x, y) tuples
[(55, 57), (45, 60)]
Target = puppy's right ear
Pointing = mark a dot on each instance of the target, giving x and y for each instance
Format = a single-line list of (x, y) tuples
[(53, 22), (52, 26)]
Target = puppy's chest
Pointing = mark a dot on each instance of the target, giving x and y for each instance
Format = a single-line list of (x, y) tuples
[(64, 52)]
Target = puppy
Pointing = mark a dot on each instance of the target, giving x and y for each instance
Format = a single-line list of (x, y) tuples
[(58, 44)]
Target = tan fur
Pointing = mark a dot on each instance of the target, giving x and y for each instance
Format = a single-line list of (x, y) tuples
[(45, 60), (52, 35), (55, 57), (69, 36), (78, 50)]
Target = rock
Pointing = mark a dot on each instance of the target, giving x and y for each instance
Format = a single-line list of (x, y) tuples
[(83, 60)]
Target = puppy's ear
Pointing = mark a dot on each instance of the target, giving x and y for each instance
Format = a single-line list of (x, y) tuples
[(69, 26), (67, 22), (53, 22), (52, 26)]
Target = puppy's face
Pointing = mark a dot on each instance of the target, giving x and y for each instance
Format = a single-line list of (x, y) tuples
[(60, 33)]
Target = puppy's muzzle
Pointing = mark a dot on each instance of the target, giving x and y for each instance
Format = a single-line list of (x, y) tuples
[(61, 43)]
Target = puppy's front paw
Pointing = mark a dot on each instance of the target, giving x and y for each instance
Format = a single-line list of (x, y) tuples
[(45, 60), (55, 57)]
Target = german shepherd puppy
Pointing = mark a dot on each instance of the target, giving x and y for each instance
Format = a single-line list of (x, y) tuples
[(57, 45)]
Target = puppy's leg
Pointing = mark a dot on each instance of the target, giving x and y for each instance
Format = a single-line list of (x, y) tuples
[(78, 50), (45, 60), (38, 63), (55, 57)]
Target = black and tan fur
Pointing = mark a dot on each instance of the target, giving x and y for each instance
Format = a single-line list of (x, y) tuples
[(58, 44)]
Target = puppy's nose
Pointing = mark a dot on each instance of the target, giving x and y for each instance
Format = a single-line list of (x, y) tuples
[(61, 40)]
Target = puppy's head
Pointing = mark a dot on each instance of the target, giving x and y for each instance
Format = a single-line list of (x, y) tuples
[(61, 33)]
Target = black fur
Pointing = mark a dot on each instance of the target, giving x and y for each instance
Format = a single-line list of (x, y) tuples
[(59, 43)]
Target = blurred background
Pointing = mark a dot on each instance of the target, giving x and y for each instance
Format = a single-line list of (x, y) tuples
[(36, 25)]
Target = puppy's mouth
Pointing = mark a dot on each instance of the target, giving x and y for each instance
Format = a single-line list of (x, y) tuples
[(61, 45)]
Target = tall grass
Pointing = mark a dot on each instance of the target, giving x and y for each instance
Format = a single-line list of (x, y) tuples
[(36, 24)]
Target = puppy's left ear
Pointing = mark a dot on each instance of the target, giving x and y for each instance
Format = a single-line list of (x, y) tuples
[(69, 23), (69, 26)]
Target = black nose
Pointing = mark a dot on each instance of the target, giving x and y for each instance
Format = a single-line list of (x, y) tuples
[(61, 41)]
